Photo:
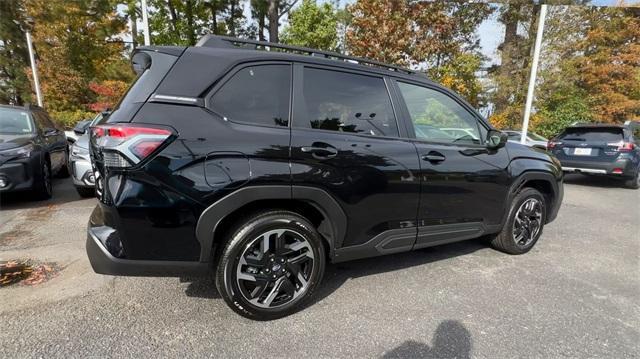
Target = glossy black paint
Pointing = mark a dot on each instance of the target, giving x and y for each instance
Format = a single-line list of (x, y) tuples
[(390, 198), (48, 143)]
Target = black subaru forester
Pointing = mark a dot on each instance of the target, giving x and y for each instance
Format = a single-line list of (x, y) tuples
[(263, 161)]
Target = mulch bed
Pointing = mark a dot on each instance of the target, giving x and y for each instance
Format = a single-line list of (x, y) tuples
[(25, 272)]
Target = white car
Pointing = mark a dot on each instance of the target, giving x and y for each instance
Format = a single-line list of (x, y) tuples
[(533, 139)]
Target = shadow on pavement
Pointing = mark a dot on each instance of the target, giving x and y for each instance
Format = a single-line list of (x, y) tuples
[(63, 192), (451, 340), (593, 181), (337, 274)]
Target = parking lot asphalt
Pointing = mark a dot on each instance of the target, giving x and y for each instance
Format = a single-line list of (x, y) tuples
[(576, 294)]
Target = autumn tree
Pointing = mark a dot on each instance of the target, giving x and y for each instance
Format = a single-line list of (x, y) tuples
[(14, 59), (438, 37), (312, 25)]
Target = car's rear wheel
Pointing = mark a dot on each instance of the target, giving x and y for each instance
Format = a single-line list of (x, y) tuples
[(634, 182), (271, 265), (524, 225), (43, 188)]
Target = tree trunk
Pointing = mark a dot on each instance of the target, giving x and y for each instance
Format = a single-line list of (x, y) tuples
[(134, 27), (191, 35), (261, 24), (508, 54), (272, 14), (174, 18), (214, 15), (232, 18)]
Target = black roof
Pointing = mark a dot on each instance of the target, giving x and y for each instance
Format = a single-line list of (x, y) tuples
[(215, 41)]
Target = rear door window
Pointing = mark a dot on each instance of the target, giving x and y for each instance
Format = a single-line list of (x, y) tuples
[(346, 102), (608, 135), (256, 94)]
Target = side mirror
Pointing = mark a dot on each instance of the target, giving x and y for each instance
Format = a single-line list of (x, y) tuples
[(496, 139), (81, 127)]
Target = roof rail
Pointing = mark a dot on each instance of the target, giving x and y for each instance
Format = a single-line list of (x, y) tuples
[(216, 41)]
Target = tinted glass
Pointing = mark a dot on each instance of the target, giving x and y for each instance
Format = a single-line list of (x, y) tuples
[(605, 134), (256, 94), (431, 109), (536, 137), (344, 102), (14, 121), (514, 136)]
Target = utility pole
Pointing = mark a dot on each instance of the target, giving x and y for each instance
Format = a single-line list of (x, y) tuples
[(145, 23), (26, 27), (534, 70)]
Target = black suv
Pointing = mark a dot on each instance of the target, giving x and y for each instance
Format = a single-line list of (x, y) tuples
[(601, 149), (32, 149), (265, 161)]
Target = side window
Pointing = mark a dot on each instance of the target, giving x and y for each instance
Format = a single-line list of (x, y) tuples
[(47, 121), (345, 102), (514, 136), (256, 94), (41, 124), (636, 133), (437, 117)]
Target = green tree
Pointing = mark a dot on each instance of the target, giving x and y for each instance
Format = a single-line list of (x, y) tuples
[(312, 25), (14, 59)]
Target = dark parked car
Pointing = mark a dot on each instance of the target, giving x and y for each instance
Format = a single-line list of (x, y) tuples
[(601, 149), (264, 165), (32, 150)]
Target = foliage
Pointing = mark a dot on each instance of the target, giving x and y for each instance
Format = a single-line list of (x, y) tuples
[(437, 36), (14, 58), (108, 94), (68, 119), (312, 25)]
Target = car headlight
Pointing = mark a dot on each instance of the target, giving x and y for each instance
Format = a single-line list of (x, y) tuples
[(79, 151), (20, 152)]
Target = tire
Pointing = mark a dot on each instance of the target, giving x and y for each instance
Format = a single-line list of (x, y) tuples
[(247, 275), (43, 188), (512, 239), (633, 182), (64, 172), (85, 192)]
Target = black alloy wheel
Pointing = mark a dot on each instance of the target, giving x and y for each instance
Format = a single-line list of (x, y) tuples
[(272, 264)]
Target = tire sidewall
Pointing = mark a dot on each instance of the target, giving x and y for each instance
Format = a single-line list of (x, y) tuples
[(517, 202), (226, 271)]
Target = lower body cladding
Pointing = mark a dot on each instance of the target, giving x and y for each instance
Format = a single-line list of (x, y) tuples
[(19, 175)]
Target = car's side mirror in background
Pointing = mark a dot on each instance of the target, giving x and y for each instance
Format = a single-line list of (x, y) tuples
[(81, 127), (496, 139)]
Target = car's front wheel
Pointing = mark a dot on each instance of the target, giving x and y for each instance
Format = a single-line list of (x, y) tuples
[(271, 265), (43, 186), (527, 216)]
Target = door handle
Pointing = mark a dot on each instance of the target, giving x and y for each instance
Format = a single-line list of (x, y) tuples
[(434, 157), (320, 153)]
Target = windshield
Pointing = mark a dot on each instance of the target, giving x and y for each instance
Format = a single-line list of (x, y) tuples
[(14, 121), (596, 134)]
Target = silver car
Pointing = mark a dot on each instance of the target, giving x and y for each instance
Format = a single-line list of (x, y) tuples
[(79, 160), (533, 139)]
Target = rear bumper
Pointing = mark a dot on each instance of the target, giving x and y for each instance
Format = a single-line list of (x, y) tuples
[(103, 262), (81, 172), (624, 167), (19, 175)]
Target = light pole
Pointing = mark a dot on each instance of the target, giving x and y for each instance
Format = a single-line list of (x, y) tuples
[(534, 70), (145, 23), (26, 27)]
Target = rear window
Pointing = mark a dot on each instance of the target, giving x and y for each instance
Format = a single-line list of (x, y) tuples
[(143, 86), (610, 134)]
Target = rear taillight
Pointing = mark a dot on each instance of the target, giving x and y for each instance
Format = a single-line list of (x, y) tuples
[(126, 145), (622, 146), (551, 144)]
